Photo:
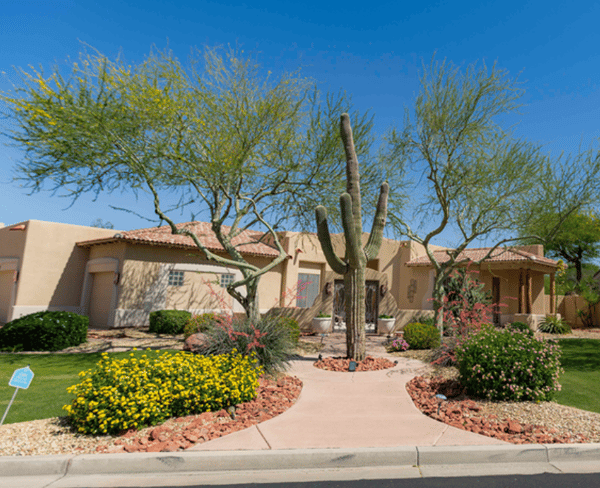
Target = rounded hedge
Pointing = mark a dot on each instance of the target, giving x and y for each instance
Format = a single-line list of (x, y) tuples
[(44, 331), (421, 336), (169, 321), (508, 365)]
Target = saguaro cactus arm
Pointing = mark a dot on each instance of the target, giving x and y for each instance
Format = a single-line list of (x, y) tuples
[(376, 236), (337, 265)]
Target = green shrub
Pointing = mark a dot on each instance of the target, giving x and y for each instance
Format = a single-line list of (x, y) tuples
[(508, 365), (44, 331), (272, 343), (132, 393), (425, 319), (292, 325), (169, 321), (520, 327), (200, 323), (553, 325), (421, 336)]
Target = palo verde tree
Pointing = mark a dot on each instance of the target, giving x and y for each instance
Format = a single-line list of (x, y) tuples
[(249, 149), (475, 180), (354, 263)]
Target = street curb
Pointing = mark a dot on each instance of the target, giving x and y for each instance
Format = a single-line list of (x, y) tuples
[(212, 461)]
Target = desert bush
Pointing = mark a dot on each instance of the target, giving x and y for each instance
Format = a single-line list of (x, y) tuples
[(272, 343), (44, 331), (466, 305), (200, 323), (520, 327), (553, 325), (132, 393), (169, 321), (421, 336), (292, 325), (508, 365)]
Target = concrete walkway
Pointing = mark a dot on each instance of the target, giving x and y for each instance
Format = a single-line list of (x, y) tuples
[(349, 410)]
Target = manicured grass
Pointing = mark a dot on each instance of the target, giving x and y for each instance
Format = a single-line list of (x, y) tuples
[(581, 361), (47, 394)]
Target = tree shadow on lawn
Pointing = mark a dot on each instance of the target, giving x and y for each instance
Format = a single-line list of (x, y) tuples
[(580, 354)]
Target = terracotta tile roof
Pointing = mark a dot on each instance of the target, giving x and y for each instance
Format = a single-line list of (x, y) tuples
[(246, 242), (499, 255)]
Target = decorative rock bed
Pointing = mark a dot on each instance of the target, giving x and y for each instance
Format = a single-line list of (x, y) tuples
[(464, 413), (341, 364)]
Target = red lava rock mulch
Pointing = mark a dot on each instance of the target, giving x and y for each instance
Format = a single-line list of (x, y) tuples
[(341, 364), (274, 397), (461, 412)]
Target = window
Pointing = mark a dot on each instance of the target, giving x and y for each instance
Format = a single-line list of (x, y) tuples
[(176, 278), (308, 289), (226, 279)]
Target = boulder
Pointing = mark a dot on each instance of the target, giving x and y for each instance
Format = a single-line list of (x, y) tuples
[(195, 342)]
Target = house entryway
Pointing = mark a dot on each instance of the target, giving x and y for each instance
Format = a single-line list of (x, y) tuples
[(371, 306)]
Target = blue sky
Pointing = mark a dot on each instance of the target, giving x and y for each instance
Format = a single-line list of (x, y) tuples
[(373, 50)]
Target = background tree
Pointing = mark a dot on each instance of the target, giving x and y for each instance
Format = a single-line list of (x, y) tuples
[(576, 240), (102, 224), (477, 181), (245, 148)]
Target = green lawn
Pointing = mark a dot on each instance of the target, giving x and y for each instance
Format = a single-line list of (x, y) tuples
[(46, 395), (581, 361)]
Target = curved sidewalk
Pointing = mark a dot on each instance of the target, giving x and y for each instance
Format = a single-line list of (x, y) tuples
[(349, 410)]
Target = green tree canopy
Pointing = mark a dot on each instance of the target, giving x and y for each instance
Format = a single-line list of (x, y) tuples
[(250, 149), (576, 239)]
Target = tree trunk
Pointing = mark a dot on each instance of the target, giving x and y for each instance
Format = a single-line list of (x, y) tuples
[(251, 306), (354, 290), (438, 297)]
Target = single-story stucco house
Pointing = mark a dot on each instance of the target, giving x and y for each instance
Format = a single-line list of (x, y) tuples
[(118, 277)]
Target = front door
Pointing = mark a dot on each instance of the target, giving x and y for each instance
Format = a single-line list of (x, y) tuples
[(371, 306)]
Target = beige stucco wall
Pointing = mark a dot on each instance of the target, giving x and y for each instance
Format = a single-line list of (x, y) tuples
[(51, 266), (144, 285)]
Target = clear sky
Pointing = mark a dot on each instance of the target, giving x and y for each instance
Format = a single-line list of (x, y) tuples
[(373, 50)]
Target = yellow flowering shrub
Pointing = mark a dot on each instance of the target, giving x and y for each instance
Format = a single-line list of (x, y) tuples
[(132, 393)]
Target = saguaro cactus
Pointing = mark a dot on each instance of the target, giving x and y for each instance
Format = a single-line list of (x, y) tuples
[(353, 266)]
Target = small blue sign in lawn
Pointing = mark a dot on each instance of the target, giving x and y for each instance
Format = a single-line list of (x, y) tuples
[(21, 378)]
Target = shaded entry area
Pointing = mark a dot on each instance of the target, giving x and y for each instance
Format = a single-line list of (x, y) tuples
[(371, 306)]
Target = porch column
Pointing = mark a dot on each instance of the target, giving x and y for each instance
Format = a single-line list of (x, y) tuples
[(528, 292), (521, 291), (552, 294)]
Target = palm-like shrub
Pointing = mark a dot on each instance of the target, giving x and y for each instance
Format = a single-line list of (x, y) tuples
[(272, 343), (554, 325)]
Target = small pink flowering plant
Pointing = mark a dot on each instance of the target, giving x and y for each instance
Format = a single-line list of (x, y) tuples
[(399, 344), (508, 365)]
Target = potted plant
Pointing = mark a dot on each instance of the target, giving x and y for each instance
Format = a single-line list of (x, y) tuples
[(321, 324), (385, 324)]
